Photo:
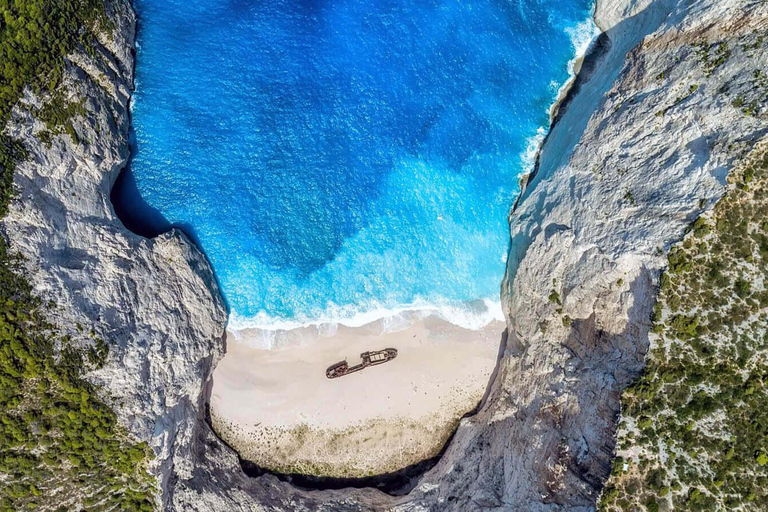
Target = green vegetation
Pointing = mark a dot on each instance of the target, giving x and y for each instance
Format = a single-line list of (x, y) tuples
[(629, 198), (751, 101), (60, 445), (759, 92), (712, 56), (58, 441), (694, 431), (35, 36), (56, 114)]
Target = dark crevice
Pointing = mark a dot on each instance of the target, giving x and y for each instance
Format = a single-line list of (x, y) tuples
[(398, 483), (131, 209), (135, 214), (144, 220)]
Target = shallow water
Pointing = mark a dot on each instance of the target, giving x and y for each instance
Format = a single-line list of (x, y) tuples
[(341, 159)]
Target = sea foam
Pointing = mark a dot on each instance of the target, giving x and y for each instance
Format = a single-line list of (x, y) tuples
[(582, 36), (473, 316)]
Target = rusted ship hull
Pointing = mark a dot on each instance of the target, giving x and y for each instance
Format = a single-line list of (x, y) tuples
[(368, 359)]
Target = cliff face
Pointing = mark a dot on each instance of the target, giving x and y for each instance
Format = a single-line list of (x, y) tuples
[(590, 236), (640, 148), (156, 301)]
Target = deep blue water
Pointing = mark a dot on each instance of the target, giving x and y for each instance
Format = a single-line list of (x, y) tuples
[(335, 157)]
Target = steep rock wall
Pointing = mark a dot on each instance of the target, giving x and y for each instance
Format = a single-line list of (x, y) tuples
[(640, 149), (155, 302)]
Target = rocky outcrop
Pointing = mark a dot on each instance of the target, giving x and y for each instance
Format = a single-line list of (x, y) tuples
[(640, 148), (156, 301), (590, 235)]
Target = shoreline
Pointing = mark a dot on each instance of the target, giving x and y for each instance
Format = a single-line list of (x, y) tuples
[(277, 335), (278, 410), (574, 67), (531, 155), (591, 52)]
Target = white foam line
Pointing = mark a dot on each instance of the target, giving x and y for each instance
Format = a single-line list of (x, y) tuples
[(582, 36), (532, 147), (472, 316)]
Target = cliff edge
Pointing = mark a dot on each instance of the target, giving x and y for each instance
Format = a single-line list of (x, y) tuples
[(155, 302)]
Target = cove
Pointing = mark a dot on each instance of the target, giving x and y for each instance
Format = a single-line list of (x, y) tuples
[(341, 160)]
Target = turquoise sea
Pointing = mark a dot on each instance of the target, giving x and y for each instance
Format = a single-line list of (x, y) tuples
[(341, 160)]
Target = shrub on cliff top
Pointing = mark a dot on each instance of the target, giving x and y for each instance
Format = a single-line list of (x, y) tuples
[(60, 445), (35, 37), (704, 390)]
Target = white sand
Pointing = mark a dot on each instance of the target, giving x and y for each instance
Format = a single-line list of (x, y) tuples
[(277, 408)]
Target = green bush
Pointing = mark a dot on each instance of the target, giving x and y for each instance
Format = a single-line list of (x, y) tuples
[(709, 365), (58, 441)]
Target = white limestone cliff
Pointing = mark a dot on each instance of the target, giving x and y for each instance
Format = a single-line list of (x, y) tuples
[(155, 302)]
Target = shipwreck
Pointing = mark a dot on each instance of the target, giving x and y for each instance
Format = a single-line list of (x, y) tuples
[(368, 359)]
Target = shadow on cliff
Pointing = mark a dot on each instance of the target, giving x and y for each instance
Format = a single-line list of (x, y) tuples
[(397, 483), (140, 217), (600, 364), (134, 212), (585, 336)]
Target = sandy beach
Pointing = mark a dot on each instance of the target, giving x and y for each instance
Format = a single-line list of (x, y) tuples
[(277, 408)]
